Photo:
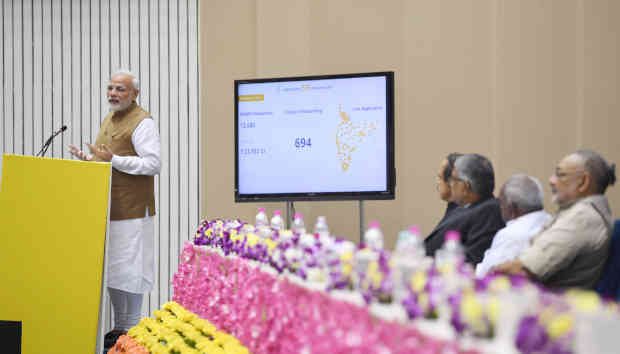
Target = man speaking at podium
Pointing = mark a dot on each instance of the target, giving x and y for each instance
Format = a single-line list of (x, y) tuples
[(128, 138)]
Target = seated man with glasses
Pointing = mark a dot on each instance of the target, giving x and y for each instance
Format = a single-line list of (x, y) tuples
[(471, 183), (443, 189), (572, 249)]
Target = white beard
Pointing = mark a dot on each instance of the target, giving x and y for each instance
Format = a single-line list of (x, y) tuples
[(119, 106)]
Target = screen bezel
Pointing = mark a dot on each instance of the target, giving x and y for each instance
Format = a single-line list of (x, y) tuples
[(388, 194)]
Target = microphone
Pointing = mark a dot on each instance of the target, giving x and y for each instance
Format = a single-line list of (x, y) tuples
[(48, 142)]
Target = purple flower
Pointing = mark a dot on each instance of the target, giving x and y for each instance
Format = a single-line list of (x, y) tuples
[(531, 336), (410, 303)]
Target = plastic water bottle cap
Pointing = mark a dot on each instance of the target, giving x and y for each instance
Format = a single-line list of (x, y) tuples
[(321, 218), (277, 212), (261, 210), (414, 230), (373, 225), (453, 235), (298, 216)]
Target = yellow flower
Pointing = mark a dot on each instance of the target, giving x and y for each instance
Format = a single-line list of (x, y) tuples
[(471, 309), (500, 284), (585, 301), (347, 268), (204, 326), (373, 274), (183, 332), (493, 310), (271, 244), (446, 268), (418, 281), (346, 257), (424, 302), (209, 347), (134, 332), (560, 325), (251, 239)]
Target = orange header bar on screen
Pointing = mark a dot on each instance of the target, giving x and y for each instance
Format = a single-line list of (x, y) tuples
[(248, 98)]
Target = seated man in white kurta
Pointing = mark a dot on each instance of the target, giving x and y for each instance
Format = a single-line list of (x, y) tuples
[(128, 138), (521, 203)]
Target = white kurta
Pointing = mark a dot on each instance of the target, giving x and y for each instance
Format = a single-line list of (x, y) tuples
[(513, 239), (131, 254)]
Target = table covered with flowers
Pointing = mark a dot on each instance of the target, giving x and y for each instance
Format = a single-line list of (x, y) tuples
[(282, 292)]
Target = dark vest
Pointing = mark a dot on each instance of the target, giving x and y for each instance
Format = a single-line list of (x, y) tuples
[(131, 194)]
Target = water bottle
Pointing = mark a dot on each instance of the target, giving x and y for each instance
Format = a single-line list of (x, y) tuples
[(409, 257), (298, 224), (261, 218), (373, 237), (410, 244), (276, 221), (361, 260), (321, 226), (452, 253)]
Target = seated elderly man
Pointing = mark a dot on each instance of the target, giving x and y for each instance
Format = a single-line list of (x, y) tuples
[(572, 249), (443, 188), (521, 203), (471, 184)]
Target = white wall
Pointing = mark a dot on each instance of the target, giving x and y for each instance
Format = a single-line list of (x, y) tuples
[(55, 59)]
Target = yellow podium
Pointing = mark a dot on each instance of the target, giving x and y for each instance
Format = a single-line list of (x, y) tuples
[(53, 221)]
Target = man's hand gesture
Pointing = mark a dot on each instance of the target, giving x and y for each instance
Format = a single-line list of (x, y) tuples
[(101, 151), (79, 153)]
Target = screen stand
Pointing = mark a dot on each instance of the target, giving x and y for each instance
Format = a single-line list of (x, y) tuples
[(361, 221), (290, 213)]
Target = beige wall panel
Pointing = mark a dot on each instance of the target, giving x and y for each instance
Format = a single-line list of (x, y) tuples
[(446, 106), (536, 87), (355, 36), (227, 52), (508, 79), (282, 38), (600, 121)]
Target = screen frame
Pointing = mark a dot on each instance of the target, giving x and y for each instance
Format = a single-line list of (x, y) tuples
[(388, 194)]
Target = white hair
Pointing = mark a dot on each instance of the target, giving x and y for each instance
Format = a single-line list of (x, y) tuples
[(476, 170), (134, 79), (525, 192)]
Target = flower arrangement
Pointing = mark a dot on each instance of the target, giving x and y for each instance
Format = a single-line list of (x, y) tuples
[(236, 284), (126, 344), (320, 258), (176, 330), (374, 275), (269, 313)]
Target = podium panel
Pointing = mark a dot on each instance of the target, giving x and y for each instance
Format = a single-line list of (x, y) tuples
[(53, 219)]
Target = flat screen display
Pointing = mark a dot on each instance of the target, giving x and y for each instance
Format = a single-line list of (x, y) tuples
[(315, 138)]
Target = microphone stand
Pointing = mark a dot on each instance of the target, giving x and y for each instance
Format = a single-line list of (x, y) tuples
[(49, 141)]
